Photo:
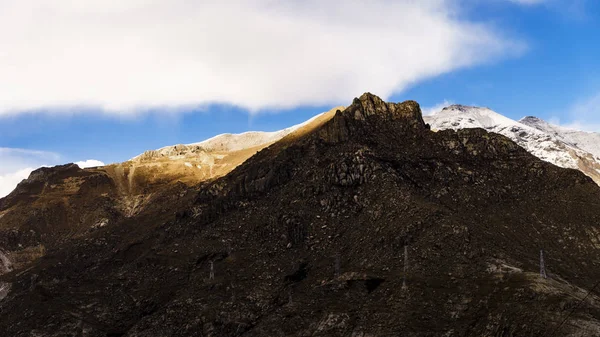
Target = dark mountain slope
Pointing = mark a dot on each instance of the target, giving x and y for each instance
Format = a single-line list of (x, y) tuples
[(308, 237)]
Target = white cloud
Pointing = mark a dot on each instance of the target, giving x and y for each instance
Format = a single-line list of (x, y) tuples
[(432, 110), (89, 163), (125, 56)]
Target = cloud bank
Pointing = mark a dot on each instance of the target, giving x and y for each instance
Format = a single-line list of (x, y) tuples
[(128, 56)]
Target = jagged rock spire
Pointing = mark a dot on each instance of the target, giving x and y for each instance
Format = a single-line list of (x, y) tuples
[(369, 104), (368, 113), (362, 114)]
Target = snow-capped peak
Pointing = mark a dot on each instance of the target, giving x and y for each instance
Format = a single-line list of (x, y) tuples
[(532, 120), (461, 116), (584, 140), (226, 143), (558, 145)]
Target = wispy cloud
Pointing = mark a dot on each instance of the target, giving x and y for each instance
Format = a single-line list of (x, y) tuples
[(583, 115), (528, 2), (127, 56), (570, 9), (15, 159), (27, 152), (17, 164), (432, 110)]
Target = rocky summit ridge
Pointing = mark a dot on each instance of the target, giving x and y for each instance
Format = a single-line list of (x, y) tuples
[(366, 223)]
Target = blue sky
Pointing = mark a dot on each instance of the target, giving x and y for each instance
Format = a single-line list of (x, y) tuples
[(78, 88)]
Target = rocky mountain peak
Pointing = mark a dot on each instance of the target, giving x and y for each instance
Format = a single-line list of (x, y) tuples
[(459, 107), (37, 180), (531, 119), (552, 143), (534, 122), (368, 105), (369, 115), (44, 173), (464, 110)]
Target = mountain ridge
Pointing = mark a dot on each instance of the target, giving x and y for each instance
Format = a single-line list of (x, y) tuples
[(367, 224), (561, 146)]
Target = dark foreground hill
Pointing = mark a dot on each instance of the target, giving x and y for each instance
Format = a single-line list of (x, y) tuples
[(369, 225)]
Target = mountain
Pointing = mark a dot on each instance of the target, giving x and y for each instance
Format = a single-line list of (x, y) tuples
[(366, 223), (560, 146), (587, 141), (216, 156), (66, 202)]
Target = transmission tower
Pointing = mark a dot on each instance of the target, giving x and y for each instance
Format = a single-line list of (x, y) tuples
[(405, 267), (542, 265)]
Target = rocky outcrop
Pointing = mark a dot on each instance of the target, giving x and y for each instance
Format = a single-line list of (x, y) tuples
[(353, 170), (45, 174), (371, 105)]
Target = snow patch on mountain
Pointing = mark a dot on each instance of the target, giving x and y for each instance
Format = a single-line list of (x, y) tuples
[(561, 146), (225, 143), (535, 141)]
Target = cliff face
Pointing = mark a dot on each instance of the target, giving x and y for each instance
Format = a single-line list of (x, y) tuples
[(368, 224)]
